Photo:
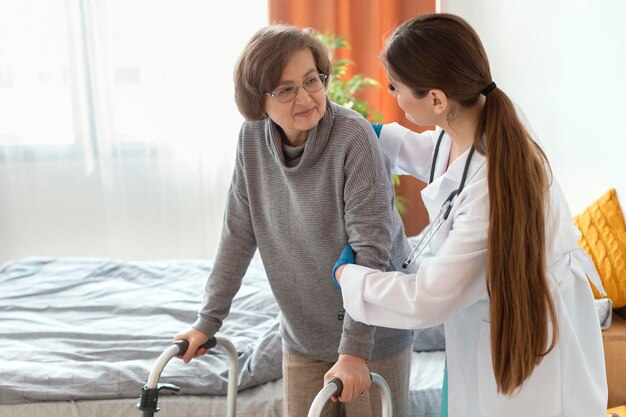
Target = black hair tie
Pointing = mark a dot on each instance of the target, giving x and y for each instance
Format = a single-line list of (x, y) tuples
[(488, 89)]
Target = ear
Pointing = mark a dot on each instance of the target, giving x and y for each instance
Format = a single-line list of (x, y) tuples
[(438, 100)]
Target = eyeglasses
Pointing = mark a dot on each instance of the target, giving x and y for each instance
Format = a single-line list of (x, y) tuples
[(288, 93)]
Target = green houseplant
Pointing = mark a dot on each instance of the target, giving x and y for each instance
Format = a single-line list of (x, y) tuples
[(343, 89)]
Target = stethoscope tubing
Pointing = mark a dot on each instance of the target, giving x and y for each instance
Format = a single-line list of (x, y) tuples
[(446, 207)]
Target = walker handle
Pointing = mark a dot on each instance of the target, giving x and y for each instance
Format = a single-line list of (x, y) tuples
[(339, 385), (335, 386), (183, 345), (150, 392)]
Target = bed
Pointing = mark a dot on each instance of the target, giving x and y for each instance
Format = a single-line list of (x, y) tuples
[(78, 337)]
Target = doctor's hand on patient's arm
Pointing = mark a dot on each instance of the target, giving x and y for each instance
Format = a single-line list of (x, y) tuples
[(354, 375), (346, 257), (195, 338), (338, 273)]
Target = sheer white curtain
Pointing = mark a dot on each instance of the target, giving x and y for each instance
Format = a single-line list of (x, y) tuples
[(118, 125)]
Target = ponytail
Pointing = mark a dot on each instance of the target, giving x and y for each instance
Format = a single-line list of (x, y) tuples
[(521, 307)]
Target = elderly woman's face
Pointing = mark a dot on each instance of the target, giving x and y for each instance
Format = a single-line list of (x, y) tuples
[(306, 110)]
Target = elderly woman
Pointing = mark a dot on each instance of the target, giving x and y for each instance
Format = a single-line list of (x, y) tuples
[(309, 178)]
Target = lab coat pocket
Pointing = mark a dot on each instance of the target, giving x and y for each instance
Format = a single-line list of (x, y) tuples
[(540, 395)]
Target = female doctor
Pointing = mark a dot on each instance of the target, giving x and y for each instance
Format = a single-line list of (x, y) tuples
[(507, 276)]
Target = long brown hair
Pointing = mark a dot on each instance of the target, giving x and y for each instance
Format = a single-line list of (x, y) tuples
[(441, 51)]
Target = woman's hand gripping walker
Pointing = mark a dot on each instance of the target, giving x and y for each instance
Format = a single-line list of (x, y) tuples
[(150, 392), (334, 388)]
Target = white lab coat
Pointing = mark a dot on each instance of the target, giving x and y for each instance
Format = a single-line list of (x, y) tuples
[(450, 288)]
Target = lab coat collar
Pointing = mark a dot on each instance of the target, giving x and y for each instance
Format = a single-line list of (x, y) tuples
[(445, 182)]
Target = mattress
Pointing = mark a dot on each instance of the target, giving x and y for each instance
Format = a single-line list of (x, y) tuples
[(261, 401)]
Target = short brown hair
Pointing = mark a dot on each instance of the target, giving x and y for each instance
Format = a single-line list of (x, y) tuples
[(263, 60)]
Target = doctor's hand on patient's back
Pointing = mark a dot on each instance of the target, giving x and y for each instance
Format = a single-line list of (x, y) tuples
[(195, 338), (377, 128)]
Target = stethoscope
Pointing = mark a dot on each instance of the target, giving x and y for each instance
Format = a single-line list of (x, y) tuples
[(446, 207)]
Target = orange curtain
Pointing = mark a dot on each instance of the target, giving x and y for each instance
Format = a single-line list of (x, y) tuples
[(365, 24)]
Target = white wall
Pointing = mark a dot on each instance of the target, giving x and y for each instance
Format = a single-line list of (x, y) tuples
[(564, 63)]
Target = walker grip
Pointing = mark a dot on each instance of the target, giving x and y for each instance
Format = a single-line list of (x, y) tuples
[(339, 385), (183, 345)]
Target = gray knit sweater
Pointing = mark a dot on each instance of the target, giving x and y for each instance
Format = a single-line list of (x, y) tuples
[(300, 218)]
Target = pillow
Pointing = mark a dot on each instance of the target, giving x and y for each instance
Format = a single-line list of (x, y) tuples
[(426, 340), (604, 239)]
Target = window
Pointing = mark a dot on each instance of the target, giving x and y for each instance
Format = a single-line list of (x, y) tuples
[(37, 74), (120, 73)]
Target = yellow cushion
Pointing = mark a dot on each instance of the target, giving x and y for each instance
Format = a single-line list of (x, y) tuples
[(616, 412), (604, 239)]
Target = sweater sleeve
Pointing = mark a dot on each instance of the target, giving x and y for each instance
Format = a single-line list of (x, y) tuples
[(369, 204), (236, 249)]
